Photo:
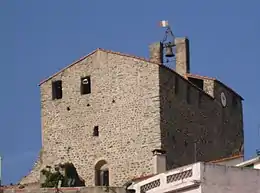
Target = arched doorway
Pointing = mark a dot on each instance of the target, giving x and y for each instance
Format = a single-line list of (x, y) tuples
[(101, 173)]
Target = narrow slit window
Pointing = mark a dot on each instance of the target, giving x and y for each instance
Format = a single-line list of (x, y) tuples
[(234, 101), (85, 85), (176, 85), (96, 131), (57, 89)]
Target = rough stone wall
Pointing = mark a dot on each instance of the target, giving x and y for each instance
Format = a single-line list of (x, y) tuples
[(182, 56), (129, 127), (156, 52), (217, 131), (137, 110), (208, 86), (232, 119)]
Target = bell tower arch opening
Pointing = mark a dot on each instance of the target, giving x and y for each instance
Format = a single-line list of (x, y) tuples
[(101, 173)]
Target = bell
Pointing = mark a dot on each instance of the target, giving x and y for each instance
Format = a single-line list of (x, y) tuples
[(168, 52)]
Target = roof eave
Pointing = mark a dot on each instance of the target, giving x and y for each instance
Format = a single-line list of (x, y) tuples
[(75, 62), (248, 162), (227, 158), (214, 79)]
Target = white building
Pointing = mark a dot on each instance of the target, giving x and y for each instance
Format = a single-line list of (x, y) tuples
[(202, 178)]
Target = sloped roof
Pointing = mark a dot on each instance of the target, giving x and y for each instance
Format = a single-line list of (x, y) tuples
[(215, 79), (249, 162), (100, 49), (227, 158), (140, 178), (139, 58)]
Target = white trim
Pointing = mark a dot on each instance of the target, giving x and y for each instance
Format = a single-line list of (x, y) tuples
[(249, 162)]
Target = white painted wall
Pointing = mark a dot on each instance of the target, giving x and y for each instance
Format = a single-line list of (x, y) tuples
[(187, 184), (219, 179), (257, 165), (207, 178)]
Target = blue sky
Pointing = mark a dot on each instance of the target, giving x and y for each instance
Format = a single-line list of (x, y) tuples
[(40, 37)]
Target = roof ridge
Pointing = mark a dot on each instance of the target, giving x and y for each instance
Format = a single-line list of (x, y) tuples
[(227, 158), (200, 76), (98, 49)]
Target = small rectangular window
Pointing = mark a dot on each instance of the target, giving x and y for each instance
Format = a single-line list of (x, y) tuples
[(57, 89), (234, 101), (85, 85), (188, 94), (176, 85), (96, 131)]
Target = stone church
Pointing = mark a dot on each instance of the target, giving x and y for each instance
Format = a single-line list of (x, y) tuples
[(129, 117)]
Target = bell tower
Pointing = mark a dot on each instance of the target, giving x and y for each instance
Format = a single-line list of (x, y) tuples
[(181, 47)]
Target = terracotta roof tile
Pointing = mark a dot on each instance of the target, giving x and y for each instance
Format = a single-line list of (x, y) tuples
[(227, 158), (142, 177), (200, 77)]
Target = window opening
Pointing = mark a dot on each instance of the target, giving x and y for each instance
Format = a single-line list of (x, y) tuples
[(102, 174), (234, 101), (198, 82), (96, 131), (57, 89), (85, 85)]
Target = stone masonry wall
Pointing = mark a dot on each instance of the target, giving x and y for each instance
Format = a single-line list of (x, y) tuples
[(137, 109), (129, 127), (191, 116)]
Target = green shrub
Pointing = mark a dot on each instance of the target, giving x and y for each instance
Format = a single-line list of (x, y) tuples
[(70, 179)]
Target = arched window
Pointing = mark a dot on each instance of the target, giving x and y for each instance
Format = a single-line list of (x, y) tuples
[(101, 174)]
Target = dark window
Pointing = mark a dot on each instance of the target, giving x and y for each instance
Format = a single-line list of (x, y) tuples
[(173, 139), (85, 85), (176, 85), (188, 94), (198, 82), (102, 177), (105, 178), (185, 143), (234, 101), (96, 131), (102, 174), (57, 89)]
